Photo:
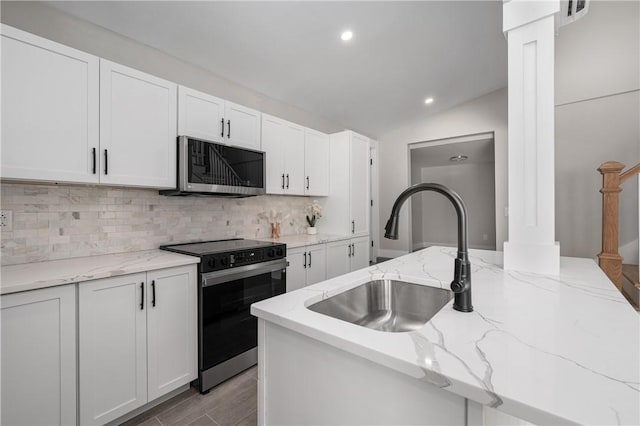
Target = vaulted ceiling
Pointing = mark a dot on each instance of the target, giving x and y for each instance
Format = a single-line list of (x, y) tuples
[(400, 54)]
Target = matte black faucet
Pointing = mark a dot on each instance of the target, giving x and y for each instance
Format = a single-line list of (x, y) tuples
[(461, 284)]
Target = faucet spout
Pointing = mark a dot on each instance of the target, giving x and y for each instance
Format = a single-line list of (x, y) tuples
[(461, 284)]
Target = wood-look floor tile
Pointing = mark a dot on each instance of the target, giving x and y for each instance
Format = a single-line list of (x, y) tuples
[(153, 421), (161, 408), (249, 420), (193, 408), (232, 410), (203, 421)]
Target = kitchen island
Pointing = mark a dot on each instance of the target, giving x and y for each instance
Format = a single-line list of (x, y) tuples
[(546, 349)]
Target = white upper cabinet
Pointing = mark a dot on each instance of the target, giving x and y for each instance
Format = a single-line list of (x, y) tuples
[(347, 207), (207, 117), (200, 115), (316, 163), (49, 110), (242, 126), (138, 128), (294, 159), (283, 143), (272, 135)]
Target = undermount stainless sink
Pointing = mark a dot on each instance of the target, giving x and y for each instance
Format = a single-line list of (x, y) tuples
[(386, 305)]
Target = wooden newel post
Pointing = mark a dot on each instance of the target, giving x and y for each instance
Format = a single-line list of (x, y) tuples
[(609, 259)]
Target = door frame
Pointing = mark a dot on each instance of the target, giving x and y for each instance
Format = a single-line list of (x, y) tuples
[(449, 141)]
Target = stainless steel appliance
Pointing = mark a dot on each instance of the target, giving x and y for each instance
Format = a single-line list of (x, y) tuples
[(209, 168), (232, 274)]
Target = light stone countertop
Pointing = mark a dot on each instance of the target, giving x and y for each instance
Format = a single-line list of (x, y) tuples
[(33, 276), (548, 349), (301, 240)]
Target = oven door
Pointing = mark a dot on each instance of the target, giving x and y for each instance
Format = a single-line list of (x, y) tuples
[(227, 327)]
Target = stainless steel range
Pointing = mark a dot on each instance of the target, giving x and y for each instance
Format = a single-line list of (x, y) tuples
[(232, 274)]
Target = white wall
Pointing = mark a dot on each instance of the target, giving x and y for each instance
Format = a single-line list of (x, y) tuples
[(436, 216), (597, 120), (485, 114), (40, 19)]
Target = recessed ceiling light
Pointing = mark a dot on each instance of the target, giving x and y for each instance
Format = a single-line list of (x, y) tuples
[(428, 101), (457, 158), (346, 36)]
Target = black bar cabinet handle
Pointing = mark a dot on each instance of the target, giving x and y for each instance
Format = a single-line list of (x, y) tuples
[(287, 180), (307, 182), (106, 162), (142, 296), (222, 127), (93, 154), (153, 293), (353, 226), (283, 181), (305, 259), (309, 259), (229, 129), (353, 249)]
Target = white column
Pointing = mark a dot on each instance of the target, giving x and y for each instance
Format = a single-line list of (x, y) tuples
[(529, 27)]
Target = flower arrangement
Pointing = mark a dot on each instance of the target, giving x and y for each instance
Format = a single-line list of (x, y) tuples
[(314, 211), (274, 219)]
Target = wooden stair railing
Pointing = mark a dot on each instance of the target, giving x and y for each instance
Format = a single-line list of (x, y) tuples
[(609, 259)]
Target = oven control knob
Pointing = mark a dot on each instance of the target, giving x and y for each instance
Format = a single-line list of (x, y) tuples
[(271, 253), (279, 252), (224, 261), (212, 262)]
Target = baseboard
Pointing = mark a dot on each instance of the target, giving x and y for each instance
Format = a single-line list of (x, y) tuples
[(391, 253)]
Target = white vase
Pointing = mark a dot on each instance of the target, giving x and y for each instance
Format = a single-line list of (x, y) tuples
[(312, 230)]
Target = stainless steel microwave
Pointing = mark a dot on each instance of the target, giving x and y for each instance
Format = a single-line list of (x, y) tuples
[(209, 168)]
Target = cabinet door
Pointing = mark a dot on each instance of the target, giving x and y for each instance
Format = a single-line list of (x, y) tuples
[(294, 159), (338, 258), (359, 181), (200, 115), (49, 110), (272, 145), (242, 126), (316, 264), (297, 269), (138, 133), (39, 357), (113, 347), (171, 329), (316, 163), (359, 253)]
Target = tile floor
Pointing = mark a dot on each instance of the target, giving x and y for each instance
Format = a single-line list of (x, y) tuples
[(232, 403)]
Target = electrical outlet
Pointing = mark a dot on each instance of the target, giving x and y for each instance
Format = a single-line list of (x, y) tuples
[(6, 220)]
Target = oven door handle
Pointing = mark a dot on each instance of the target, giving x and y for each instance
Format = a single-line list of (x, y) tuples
[(219, 277)]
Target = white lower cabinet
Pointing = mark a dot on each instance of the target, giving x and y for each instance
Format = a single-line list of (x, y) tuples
[(137, 340), (347, 255), (307, 265), (39, 357)]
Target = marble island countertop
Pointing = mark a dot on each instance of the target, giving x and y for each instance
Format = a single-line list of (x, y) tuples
[(548, 349), (33, 276)]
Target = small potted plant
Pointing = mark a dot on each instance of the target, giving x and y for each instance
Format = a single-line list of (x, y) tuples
[(314, 212)]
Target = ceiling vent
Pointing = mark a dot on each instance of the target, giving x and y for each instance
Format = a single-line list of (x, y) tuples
[(572, 10)]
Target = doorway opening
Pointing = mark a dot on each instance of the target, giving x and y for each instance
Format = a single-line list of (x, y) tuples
[(465, 164)]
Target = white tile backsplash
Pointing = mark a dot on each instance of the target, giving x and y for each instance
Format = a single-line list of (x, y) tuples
[(55, 222)]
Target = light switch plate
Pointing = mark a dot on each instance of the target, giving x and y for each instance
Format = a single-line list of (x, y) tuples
[(6, 220)]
